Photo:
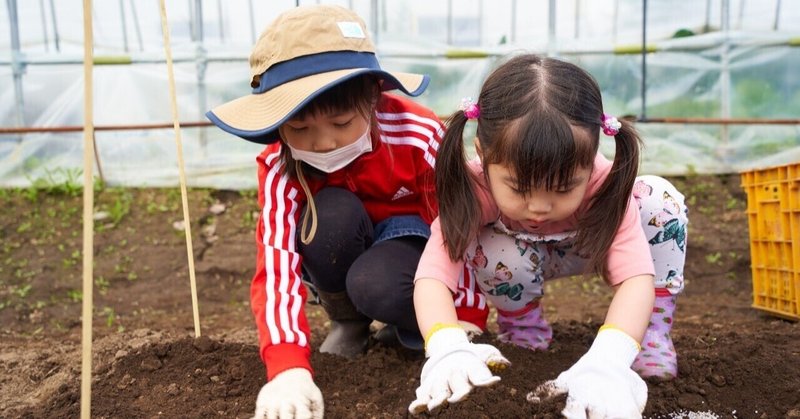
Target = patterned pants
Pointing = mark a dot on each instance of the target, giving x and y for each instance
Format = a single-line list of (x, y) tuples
[(510, 267)]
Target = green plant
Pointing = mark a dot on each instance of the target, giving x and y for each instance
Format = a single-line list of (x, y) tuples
[(732, 203), (65, 181), (249, 219), (714, 258), (174, 199), (120, 207), (691, 200), (22, 291), (72, 260), (23, 274), (25, 226), (110, 315), (47, 233), (249, 194), (102, 285), (152, 207), (31, 193), (75, 296)]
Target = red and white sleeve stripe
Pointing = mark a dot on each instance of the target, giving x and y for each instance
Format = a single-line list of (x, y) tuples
[(467, 293), (283, 302), (406, 128)]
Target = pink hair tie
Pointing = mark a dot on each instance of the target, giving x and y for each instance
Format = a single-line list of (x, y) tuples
[(611, 125), (470, 108)]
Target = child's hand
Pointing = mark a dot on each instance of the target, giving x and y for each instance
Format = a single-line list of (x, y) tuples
[(454, 367), (291, 394), (601, 384)]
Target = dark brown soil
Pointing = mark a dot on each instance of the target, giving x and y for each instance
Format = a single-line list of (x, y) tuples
[(734, 361)]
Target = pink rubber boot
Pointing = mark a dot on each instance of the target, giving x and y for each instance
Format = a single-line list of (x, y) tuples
[(528, 330), (658, 357)]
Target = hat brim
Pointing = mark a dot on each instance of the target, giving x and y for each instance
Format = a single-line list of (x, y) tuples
[(256, 117)]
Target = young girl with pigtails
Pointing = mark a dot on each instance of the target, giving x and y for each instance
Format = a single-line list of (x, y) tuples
[(540, 202)]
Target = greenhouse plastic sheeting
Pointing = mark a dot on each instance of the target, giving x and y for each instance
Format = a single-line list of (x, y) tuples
[(736, 75)]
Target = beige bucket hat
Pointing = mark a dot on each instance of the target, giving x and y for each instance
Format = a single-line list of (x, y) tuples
[(302, 53)]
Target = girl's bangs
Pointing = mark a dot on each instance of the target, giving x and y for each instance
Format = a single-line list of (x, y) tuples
[(543, 150)]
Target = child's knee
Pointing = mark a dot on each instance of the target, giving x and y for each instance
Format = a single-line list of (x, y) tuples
[(659, 201)]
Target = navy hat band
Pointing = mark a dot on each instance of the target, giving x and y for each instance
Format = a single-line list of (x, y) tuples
[(310, 65)]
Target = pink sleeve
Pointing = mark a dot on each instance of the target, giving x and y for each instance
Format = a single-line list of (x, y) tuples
[(435, 263), (629, 254)]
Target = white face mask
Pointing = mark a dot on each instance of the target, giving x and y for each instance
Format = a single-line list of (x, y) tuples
[(334, 160)]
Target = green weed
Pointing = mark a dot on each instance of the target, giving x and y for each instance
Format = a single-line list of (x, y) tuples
[(75, 296), (121, 207), (65, 181), (714, 258), (733, 203), (72, 260), (110, 316), (22, 291), (25, 226), (102, 285)]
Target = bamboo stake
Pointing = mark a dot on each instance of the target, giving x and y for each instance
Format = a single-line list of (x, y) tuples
[(88, 208), (182, 174)]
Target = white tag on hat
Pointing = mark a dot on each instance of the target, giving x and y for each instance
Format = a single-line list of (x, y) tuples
[(351, 30)]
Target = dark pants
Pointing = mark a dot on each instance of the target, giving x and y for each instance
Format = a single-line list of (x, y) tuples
[(378, 277)]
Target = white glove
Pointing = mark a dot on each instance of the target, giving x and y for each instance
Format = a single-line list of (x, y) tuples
[(601, 384), (471, 328), (289, 395), (454, 367)]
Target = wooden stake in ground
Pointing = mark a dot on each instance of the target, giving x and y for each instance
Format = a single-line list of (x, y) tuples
[(88, 208), (182, 175)]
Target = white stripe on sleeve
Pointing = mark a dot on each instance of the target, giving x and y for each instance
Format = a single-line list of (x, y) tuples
[(269, 261)]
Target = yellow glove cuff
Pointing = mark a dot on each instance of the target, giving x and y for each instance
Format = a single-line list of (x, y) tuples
[(615, 327), (437, 327)]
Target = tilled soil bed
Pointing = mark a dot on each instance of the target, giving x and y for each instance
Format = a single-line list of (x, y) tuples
[(734, 361)]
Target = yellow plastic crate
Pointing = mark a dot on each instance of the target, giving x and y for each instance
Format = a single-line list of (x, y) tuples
[(773, 215)]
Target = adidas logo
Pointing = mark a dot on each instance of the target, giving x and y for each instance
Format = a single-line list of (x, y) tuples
[(402, 192)]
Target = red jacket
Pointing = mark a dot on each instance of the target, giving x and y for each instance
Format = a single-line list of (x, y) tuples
[(400, 182)]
